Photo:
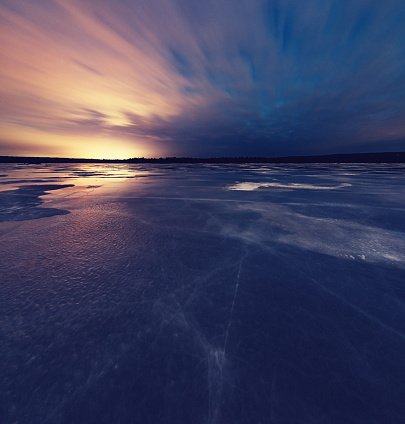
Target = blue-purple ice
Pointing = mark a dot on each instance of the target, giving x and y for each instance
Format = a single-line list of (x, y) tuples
[(202, 294)]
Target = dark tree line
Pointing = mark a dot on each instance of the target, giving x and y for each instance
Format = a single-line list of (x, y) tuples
[(381, 157)]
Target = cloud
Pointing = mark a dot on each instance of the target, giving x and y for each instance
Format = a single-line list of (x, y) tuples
[(177, 77)]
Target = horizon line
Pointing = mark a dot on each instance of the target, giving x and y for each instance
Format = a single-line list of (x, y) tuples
[(391, 157)]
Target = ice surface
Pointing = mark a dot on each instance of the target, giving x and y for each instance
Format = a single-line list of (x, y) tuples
[(202, 294), (246, 186)]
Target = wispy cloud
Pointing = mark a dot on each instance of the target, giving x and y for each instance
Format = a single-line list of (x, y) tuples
[(205, 78)]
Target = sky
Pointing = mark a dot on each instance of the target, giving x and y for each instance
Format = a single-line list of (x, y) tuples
[(203, 78)]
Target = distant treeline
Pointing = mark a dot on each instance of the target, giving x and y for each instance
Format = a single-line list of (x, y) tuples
[(382, 157)]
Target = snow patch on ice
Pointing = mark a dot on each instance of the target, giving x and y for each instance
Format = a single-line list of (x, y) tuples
[(249, 186)]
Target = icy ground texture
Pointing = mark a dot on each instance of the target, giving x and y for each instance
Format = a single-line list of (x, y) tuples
[(202, 294)]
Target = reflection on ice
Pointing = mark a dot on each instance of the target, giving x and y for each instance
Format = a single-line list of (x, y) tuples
[(187, 294), (81, 175)]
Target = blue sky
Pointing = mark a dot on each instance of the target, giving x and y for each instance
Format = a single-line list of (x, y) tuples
[(201, 78)]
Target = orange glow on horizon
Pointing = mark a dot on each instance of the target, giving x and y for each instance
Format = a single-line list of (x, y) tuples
[(73, 87), (45, 144)]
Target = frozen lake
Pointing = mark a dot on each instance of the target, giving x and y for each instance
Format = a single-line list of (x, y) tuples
[(202, 294)]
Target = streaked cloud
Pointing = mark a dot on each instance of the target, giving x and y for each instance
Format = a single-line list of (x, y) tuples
[(155, 78)]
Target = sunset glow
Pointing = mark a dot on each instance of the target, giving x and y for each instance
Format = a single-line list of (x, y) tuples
[(119, 79)]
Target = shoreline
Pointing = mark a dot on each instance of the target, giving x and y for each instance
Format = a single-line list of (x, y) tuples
[(381, 157)]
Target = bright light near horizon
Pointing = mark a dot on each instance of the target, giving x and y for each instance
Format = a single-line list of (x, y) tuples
[(44, 144), (181, 78), (110, 149), (77, 93)]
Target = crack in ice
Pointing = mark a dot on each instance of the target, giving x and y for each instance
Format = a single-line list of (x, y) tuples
[(234, 298), (356, 308)]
